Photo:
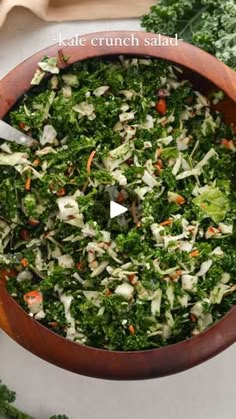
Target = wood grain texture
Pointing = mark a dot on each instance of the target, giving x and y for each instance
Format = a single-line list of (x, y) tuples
[(205, 72)]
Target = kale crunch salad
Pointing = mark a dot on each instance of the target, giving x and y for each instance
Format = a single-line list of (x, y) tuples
[(132, 131)]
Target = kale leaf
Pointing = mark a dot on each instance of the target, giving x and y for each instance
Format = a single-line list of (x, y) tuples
[(208, 24), (8, 411)]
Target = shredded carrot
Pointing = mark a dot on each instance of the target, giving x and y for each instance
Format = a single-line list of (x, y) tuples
[(161, 106), (22, 125), (180, 200), (158, 152), (53, 324), (175, 275), (36, 163), (108, 293), (178, 272), (61, 192), (90, 160), (28, 184), (158, 167), (79, 265), (193, 318), (24, 262), (226, 143), (132, 279), (160, 163), (166, 223), (120, 198), (33, 297), (33, 222), (131, 329), (212, 230), (194, 253)]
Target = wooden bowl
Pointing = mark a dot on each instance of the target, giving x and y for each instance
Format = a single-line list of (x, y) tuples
[(205, 72)]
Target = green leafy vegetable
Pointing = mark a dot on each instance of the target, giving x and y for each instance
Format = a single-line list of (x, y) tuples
[(213, 203), (8, 411), (211, 25)]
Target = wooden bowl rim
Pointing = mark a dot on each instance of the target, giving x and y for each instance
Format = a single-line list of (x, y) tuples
[(87, 360)]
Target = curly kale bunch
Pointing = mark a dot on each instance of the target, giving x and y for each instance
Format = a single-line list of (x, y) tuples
[(208, 24), (8, 411)]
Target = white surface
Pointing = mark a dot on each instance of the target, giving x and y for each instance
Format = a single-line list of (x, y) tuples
[(116, 209), (24, 34), (205, 392)]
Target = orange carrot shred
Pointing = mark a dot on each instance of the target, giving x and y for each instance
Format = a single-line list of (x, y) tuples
[(61, 192), (120, 197), (180, 200), (132, 279), (28, 184), (161, 106), (178, 272), (33, 297), (158, 167), (160, 163), (24, 262), (33, 222), (79, 265), (131, 329), (36, 163), (22, 125), (193, 318), (226, 143), (90, 160), (158, 152), (53, 324), (194, 253), (166, 223), (212, 229)]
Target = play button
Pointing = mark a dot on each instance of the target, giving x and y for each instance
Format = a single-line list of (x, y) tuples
[(116, 209)]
